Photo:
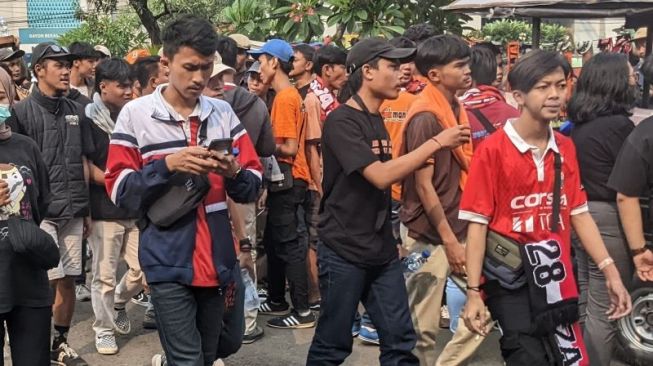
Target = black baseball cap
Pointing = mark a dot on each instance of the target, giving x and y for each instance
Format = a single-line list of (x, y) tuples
[(8, 54), (370, 48), (50, 50)]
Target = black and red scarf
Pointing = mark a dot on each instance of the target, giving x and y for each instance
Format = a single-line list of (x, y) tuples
[(328, 100)]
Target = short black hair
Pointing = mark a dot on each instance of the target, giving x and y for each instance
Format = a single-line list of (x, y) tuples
[(189, 31), (228, 50), (146, 68), (112, 69), (286, 67), (483, 65), (440, 50), (533, 67), (490, 46), (602, 89), (403, 42), (306, 50), (83, 50), (419, 33), (328, 55)]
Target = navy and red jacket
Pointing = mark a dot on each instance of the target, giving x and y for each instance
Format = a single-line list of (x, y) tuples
[(197, 250)]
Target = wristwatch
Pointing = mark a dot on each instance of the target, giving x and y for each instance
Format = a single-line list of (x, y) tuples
[(245, 245), (638, 251)]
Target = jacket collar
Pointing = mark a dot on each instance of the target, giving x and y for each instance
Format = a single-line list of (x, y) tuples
[(51, 104), (165, 113)]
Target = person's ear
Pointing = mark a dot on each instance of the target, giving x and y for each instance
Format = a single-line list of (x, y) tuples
[(309, 66), (367, 72), (274, 62), (152, 82), (434, 75), (520, 97), (165, 61), (103, 86), (327, 70)]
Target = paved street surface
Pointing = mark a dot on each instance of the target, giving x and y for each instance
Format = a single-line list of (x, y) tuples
[(277, 348)]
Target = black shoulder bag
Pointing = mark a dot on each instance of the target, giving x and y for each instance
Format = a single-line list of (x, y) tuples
[(489, 127)]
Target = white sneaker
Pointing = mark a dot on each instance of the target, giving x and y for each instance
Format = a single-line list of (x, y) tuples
[(82, 293), (106, 345), (159, 360), (123, 325)]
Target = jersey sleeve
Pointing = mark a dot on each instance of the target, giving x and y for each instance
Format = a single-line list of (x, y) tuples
[(478, 199), (576, 196)]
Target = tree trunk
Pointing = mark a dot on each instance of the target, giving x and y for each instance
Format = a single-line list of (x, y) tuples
[(340, 32), (148, 20)]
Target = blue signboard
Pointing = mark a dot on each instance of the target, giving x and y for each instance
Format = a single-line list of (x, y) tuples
[(38, 35)]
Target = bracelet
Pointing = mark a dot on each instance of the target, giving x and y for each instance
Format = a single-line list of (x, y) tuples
[(474, 288), (436, 140), (636, 252), (606, 262)]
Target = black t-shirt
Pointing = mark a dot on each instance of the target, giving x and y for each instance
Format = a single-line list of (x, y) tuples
[(102, 208), (355, 216), (633, 173), (303, 91), (598, 143), (22, 283)]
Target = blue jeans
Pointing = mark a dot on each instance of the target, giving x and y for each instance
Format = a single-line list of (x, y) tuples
[(383, 293), (198, 325)]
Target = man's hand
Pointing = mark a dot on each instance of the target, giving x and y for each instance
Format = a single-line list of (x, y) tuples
[(455, 256), (193, 160), (227, 166), (454, 136), (247, 262), (620, 302), (87, 227), (474, 314), (644, 265), (4, 193)]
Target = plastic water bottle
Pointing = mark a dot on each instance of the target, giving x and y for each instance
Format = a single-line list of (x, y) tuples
[(251, 296), (4, 30), (414, 262)]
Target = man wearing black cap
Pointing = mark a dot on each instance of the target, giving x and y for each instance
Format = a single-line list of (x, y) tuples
[(12, 61), (82, 71), (63, 134), (358, 256)]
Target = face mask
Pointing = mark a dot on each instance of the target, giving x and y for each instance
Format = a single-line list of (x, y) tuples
[(4, 113)]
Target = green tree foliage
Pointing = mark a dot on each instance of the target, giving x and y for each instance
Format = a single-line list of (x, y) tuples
[(554, 36), (119, 34)]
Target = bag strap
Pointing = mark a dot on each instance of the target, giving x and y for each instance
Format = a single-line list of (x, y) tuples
[(484, 121), (557, 187)]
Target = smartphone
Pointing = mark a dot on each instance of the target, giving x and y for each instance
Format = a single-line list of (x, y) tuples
[(221, 145)]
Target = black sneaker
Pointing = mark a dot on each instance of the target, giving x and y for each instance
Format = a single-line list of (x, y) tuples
[(66, 356), (254, 336), (272, 308), (149, 319), (141, 299), (293, 321), (314, 306)]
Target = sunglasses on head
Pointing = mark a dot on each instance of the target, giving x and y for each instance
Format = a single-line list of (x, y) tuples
[(55, 48)]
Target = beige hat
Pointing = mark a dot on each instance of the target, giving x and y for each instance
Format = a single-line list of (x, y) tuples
[(640, 34), (219, 67), (242, 41), (103, 50)]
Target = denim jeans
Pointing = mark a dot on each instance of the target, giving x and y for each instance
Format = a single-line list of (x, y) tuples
[(198, 325), (382, 292)]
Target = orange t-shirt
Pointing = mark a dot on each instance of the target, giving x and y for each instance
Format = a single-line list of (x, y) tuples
[(394, 114), (287, 118)]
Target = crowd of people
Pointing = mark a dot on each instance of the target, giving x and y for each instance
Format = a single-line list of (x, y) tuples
[(222, 168)]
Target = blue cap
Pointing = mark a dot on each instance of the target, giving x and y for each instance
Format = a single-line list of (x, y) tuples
[(276, 48)]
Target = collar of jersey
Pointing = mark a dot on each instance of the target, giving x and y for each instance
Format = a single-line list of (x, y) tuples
[(524, 146)]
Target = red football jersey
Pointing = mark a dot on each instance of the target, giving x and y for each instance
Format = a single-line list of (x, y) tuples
[(510, 188)]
